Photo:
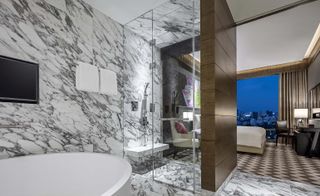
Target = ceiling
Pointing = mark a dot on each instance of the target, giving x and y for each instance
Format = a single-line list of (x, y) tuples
[(172, 23), (280, 38), (277, 39), (124, 11)]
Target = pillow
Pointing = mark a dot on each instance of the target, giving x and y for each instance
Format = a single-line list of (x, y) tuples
[(181, 128)]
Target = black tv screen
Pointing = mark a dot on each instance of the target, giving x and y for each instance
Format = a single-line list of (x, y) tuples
[(19, 81)]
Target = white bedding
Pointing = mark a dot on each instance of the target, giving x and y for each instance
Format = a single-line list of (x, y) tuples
[(251, 136)]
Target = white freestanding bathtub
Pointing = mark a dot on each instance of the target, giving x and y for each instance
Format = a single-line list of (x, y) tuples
[(65, 174)]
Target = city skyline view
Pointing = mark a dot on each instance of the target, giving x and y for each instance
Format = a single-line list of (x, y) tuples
[(258, 103)]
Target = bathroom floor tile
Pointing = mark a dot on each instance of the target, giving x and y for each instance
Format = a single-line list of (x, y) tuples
[(145, 186), (241, 184)]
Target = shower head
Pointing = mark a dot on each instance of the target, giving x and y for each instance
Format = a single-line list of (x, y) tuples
[(146, 87)]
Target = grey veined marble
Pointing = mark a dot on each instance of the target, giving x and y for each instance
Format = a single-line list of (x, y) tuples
[(142, 65), (169, 23), (241, 184), (57, 34)]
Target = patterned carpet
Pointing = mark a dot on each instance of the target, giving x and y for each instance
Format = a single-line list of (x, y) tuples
[(283, 163)]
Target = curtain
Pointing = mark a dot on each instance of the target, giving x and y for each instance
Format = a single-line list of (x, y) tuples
[(293, 93), (315, 97)]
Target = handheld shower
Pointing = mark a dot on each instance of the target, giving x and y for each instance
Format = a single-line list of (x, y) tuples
[(143, 117)]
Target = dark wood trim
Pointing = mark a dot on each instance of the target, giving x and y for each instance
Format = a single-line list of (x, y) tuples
[(188, 60), (273, 69)]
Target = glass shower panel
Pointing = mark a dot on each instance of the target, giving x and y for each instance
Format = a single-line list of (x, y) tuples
[(138, 94), (175, 26), (197, 95), (162, 94)]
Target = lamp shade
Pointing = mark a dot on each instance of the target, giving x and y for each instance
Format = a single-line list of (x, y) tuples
[(315, 110), (185, 115), (188, 115), (301, 113)]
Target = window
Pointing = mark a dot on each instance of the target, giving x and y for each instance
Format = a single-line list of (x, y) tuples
[(257, 100)]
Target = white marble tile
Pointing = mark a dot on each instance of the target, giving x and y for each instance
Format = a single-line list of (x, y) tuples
[(142, 186), (138, 54), (60, 4), (179, 174), (172, 22), (240, 184), (57, 34)]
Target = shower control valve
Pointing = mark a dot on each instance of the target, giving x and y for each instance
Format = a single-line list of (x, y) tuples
[(152, 107)]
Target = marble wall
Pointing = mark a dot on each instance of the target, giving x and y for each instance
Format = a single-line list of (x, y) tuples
[(57, 34), (138, 65), (142, 65)]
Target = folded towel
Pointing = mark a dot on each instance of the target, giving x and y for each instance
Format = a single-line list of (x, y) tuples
[(108, 82), (87, 77)]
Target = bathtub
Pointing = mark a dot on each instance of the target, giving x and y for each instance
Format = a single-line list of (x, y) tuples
[(65, 174)]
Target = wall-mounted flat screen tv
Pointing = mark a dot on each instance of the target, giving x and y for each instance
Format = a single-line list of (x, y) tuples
[(19, 81)]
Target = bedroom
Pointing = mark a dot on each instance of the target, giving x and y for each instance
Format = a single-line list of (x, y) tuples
[(278, 97), (265, 148)]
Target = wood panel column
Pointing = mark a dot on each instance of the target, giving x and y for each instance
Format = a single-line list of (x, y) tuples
[(218, 93)]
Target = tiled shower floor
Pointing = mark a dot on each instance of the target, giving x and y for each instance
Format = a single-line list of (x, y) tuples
[(178, 174)]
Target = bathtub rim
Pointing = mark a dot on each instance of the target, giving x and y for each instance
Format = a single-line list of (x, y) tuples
[(123, 181)]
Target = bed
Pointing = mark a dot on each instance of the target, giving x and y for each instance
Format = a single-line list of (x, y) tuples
[(251, 139)]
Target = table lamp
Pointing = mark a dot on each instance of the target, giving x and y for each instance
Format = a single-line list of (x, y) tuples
[(300, 114), (315, 113)]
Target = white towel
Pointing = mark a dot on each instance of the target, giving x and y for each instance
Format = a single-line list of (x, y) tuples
[(87, 77), (108, 82)]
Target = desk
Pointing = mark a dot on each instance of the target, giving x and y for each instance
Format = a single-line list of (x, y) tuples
[(315, 139)]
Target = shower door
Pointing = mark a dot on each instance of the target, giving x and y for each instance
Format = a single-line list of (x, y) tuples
[(176, 73), (162, 93), (139, 108)]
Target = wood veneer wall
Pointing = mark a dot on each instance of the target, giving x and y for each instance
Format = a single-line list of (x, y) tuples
[(218, 93)]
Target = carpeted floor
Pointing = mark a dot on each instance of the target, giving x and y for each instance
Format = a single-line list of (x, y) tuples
[(281, 162)]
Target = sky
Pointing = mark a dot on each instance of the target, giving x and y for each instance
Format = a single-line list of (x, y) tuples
[(258, 94)]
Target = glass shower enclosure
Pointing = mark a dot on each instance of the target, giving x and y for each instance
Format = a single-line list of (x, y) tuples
[(162, 100)]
